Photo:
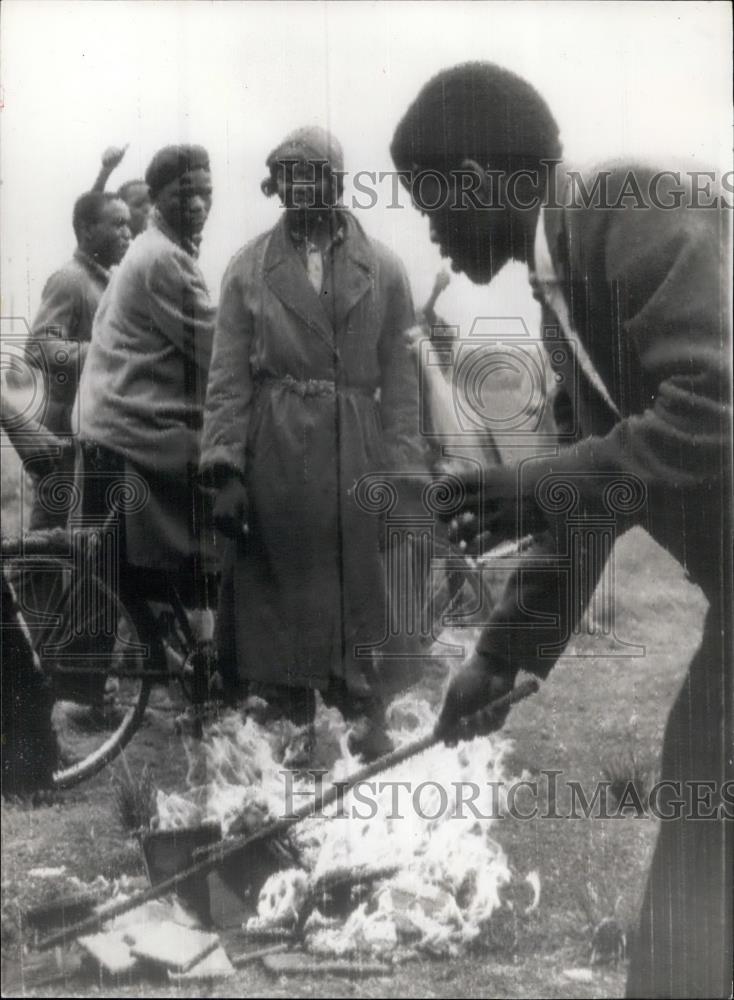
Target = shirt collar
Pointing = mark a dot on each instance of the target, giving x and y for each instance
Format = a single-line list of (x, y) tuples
[(302, 241), (92, 266)]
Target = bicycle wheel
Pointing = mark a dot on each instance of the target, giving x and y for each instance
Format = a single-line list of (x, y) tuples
[(102, 654)]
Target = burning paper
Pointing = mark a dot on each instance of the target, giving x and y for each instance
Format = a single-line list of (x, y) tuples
[(423, 831)]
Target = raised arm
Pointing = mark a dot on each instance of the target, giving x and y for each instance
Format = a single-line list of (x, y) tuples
[(111, 159)]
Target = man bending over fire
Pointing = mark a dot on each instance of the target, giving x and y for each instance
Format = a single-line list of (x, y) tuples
[(641, 298)]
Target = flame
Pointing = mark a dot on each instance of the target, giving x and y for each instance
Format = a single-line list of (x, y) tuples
[(451, 872)]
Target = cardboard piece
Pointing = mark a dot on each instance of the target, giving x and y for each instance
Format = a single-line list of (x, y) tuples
[(227, 909), (171, 945), (110, 951)]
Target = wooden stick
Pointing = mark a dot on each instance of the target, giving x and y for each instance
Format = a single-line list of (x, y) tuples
[(210, 858)]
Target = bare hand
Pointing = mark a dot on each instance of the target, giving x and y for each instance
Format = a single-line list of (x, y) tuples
[(471, 688), (415, 334)]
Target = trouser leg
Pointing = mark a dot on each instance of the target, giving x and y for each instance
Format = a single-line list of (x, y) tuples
[(685, 941), (53, 496)]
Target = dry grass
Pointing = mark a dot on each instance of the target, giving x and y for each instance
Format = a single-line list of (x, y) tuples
[(135, 796), (630, 780)]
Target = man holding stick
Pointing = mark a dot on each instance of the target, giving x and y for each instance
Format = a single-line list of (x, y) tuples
[(640, 295)]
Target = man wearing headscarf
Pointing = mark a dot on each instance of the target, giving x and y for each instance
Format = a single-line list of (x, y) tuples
[(142, 391), (311, 386)]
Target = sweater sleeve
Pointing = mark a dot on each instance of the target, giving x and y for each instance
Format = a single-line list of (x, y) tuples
[(230, 388), (399, 387), (180, 307)]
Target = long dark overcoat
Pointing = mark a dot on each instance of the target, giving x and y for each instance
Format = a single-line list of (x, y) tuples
[(307, 393)]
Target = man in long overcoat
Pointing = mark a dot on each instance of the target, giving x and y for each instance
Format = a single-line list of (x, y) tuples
[(634, 278), (311, 386)]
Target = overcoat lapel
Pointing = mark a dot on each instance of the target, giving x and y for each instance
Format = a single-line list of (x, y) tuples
[(353, 272), (286, 277), (351, 277)]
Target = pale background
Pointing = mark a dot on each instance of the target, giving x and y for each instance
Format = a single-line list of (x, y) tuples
[(638, 80)]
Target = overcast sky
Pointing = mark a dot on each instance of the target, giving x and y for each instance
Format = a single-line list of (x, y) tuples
[(623, 79)]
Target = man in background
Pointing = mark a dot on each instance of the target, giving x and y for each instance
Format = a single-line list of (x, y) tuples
[(62, 328), (142, 391)]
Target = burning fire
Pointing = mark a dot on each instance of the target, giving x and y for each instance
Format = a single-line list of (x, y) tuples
[(438, 875)]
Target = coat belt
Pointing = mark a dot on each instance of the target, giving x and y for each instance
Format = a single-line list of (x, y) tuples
[(313, 386)]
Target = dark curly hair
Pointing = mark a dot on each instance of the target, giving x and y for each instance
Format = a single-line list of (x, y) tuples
[(88, 209), (476, 111)]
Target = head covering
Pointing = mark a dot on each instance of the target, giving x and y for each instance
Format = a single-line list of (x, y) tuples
[(173, 162), (310, 143)]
